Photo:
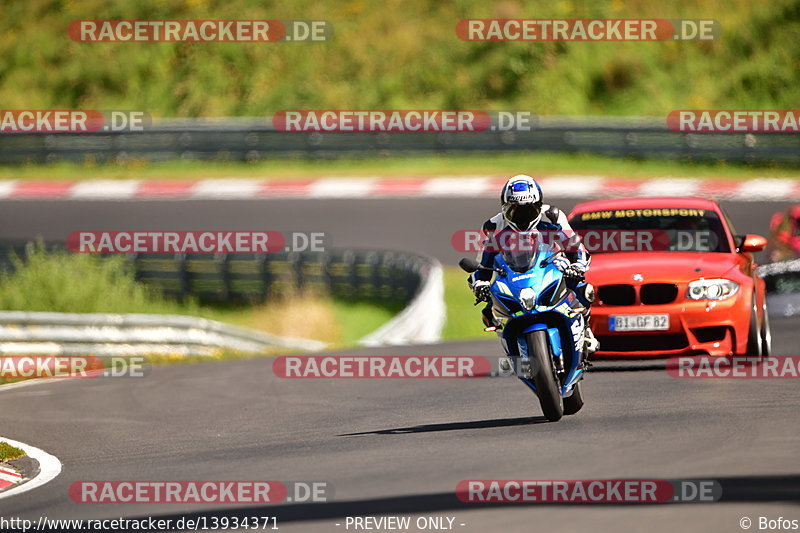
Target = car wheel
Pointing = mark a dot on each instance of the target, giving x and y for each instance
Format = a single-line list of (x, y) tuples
[(754, 334), (766, 334)]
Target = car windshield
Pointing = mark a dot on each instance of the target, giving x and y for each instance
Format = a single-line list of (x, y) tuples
[(678, 229)]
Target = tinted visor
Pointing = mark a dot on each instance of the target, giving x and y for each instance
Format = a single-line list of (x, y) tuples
[(523, 214)]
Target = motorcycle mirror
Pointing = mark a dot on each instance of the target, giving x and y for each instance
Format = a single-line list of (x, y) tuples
[(469, 265), (550, 258)]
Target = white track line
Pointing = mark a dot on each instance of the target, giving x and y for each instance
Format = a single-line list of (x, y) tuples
[(49, 468), (31, 382)]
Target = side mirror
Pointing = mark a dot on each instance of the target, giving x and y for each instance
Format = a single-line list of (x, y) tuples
[(550, 258), (775, 221), (469, 265), (752, 243)]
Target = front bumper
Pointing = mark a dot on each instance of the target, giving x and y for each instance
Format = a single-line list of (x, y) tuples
[(701, 327)]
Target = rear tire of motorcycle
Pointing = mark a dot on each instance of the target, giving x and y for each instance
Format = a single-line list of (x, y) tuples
[(574, 403), (544, 378)]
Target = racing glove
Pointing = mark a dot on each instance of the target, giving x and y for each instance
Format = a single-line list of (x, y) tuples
[(481, 290), (561, 263), (575, 270)]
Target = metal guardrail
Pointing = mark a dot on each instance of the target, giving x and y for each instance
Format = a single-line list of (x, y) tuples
[(254, 139), (783, 287), (24, 333)]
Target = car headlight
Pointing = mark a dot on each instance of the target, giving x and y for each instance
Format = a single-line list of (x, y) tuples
[(527, 297), (711, 289)]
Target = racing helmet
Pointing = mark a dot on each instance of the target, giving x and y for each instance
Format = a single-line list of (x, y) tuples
[(521, 202)]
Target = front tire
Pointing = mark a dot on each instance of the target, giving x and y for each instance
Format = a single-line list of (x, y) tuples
[(574, 403), (766, 334), (754, 334), (544, 377)]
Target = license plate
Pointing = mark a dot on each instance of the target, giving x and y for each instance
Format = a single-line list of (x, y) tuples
[(638, 322)]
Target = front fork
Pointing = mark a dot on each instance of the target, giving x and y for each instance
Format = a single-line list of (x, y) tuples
[(521, 362)]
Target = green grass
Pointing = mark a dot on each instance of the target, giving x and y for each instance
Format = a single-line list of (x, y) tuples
[(535, 163), (463, 318), (358, 319), (316, 316), (80, 283), (8, 452)]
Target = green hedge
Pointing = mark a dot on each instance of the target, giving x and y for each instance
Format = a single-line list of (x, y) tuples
[(399, 54)]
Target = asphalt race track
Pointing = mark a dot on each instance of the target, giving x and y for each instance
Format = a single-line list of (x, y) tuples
[(418, 224), (400, 447)]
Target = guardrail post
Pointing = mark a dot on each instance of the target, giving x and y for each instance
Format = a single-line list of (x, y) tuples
[(183, 273)]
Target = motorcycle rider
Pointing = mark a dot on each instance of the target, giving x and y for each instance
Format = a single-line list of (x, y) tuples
[(523, 211)]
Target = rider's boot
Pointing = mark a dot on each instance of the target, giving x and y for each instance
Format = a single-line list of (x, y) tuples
[(592, 344), (488, 317), (590, 341)]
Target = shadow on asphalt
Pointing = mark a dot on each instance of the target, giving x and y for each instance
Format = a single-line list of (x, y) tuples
[(743, 489), (626, 366), (453, 426)]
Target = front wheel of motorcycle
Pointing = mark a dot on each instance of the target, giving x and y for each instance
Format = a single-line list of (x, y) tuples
[(544, 376)]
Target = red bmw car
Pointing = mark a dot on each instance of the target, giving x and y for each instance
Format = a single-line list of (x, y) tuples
[(691, 288)]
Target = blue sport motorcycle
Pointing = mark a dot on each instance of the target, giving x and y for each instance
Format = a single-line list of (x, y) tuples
[(539, 321)]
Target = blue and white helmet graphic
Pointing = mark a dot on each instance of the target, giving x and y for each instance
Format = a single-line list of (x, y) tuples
[(521, 200)]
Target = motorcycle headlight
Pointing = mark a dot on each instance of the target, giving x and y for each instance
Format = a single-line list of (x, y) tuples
[(527, 297), (711, 289)]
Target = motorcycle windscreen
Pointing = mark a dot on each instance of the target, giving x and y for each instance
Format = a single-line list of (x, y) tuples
[(527, 250)]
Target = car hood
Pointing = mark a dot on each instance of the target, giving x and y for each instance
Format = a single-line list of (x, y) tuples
[(659, 267)]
